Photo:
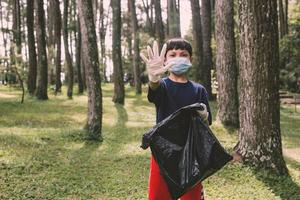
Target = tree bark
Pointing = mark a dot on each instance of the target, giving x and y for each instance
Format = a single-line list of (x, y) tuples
[(68, 59), (32, 62), (197, 37), (102, 32), (136, 52), (41, 92), (78, 59), (57, 33), (50, 40), (173, 19), (17, 25), (90, 58), (159, 26), (259, 133), (226, 63), (283, 23), (207, 52), (119, 92)]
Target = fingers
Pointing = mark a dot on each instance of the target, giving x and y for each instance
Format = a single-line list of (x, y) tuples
[(155, 49), (163, 51), (162, 69), (204, 106), (150, 52), (144, 58)]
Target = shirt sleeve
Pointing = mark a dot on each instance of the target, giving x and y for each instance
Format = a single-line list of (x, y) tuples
[(154, 96), (204, 99)]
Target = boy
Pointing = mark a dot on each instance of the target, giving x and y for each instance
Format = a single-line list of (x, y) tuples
[(168, 95)]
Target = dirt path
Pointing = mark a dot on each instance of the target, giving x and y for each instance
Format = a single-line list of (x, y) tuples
[(293, 153)]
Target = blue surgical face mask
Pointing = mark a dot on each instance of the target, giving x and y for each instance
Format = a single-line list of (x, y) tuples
[(180, 65)]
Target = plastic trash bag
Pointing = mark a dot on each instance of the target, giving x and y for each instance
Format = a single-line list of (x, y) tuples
[(185, 149)]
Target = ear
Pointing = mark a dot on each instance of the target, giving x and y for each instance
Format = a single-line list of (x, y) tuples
[(191, 58)]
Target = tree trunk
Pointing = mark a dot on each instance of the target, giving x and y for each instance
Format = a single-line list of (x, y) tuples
[(207, 52), (32, 62), (136, 44), (197, 37), (102, 32), (173, 19), (286, 18), (90, 58), (159, 26), (119, 92), (226, 63), (17, 25), (41, 92), (68, 59), (78, 59), (50, 40), (259, 133), (149, 20), (57, 33), (128, 34)]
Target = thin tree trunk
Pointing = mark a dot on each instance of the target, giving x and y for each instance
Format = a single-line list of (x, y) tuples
[(226, 63), (50, 41), (102, 32), (197, 37), (32, 62), (78, 59), (119, 92), (90, 57), (17, 25), (149, 22), (207, 52), (68, 59), (57, 33), (173, 19), (259, 133), (159, 26), (41, 92), (136, 44)]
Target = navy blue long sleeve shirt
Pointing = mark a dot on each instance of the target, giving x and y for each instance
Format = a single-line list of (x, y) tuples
[(170, 96)]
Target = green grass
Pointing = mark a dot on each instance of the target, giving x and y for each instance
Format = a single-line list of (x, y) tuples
[(44, 154)]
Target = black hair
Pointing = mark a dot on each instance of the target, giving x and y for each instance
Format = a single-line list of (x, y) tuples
[(179, 43)]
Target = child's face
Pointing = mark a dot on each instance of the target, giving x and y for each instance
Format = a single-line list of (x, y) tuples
[(177, 53)]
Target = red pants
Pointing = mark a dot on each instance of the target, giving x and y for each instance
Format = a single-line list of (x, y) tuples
[(158, 189)]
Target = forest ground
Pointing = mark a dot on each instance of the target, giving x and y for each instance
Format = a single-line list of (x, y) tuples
[(44, 154)]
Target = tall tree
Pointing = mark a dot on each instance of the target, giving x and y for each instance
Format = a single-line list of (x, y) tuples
[(57, 33), (68, 58), (119, 92), (197, 37), (90, 58), (78, 59), (17, 25), (32, 62), (259, 133), (226, 63), (283, 17), (136, 52), (207, 52), (159, 26), (148, 8), (173, 19), (50, 40), (41, 92), (102, 33)]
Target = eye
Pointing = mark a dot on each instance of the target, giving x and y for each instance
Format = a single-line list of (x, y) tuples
[(184, 55)]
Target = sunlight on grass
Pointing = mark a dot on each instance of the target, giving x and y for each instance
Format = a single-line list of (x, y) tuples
[(133, 149)]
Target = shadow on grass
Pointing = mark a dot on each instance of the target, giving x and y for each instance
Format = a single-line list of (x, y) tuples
[(282, 186)]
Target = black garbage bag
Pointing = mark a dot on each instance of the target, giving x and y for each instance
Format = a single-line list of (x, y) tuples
[(185, 149)]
